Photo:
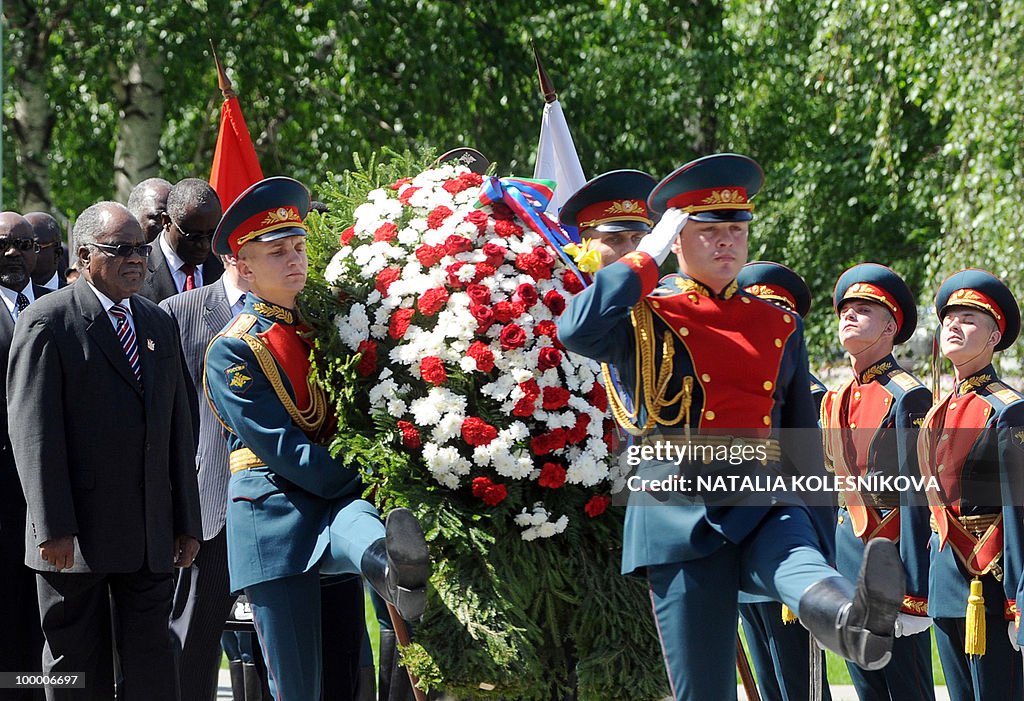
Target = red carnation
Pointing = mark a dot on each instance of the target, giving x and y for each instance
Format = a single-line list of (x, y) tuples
[(530, 388), (548, 442), (506, 228), (495, 253), (385, 232), (428, 255), (555, 398), (410, 435), (399, 323), (505, 312), (480, 486), (554, 301), (548, 358), (478, 432), (530, 264), (524, 408), (597, 397), (512, 336), (527, 294), (455, 185), (478, 294), (436, 218), (407, 194), (398, 183), (544, 256), (432, 301), (368, 361), (596, 506), (492, 494), (385, 277), (432, 370), (546, 328), (578, 433), (481, 353), (457, 244), (472, 179), (453, 274), (571, 282), (501, 211), (483, 270), (347, 235), (483, 315), (477, 218), (552, 476)]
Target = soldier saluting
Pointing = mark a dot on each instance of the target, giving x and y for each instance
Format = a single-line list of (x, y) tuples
[(707, 364)]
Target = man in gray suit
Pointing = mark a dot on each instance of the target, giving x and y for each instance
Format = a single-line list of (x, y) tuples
[(105, 449)]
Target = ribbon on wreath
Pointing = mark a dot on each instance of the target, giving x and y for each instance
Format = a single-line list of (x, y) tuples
[(529, 199)]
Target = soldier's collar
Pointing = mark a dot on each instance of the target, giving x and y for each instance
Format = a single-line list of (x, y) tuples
[(877, 370), (685, 283), (976, 381), (273, 311)]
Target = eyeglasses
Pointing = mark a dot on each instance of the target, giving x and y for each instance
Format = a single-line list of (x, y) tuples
[(41, 246), (18, 244), (191, 235), (124, 250)]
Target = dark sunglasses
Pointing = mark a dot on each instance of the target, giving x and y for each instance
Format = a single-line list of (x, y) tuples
[(47, 245), (19, 244), (124, 250), (192, 235)]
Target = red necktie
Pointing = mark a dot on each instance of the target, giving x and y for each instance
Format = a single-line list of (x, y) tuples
[(190, 276)]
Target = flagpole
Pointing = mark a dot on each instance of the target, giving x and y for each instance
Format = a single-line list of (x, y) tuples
[(547, 88), (223, 82)]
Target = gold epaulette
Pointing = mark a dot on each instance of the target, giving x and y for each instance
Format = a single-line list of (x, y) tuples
[(904, 379), (1007, 395), (240, 325)]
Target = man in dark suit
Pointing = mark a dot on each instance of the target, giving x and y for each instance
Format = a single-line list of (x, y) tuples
[(22, 643), (147, 203), (104, 443), (49, 260), (181, 259)]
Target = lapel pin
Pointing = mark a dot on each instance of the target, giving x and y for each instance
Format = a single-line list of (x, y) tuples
[(150, 345)]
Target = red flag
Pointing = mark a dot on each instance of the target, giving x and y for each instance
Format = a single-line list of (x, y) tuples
[(235, 166)]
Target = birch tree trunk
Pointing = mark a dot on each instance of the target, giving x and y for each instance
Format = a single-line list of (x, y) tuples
[(140, 92)]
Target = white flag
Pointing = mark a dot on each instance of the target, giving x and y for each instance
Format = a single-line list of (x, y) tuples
[(556, 157)]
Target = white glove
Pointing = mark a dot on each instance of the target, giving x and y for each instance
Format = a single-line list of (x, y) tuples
[(911, 625), (1011, 630), (659, 242)]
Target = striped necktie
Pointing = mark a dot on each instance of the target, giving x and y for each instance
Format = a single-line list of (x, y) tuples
[(126, 335)]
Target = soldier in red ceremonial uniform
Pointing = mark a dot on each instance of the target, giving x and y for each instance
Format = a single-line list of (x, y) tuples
[(717, 376), (869, 427), (971, 443), (294, 512)]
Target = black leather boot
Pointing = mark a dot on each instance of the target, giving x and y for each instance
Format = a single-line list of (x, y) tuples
[(237, 680), (397, 565), (253, 682), (858, 622)]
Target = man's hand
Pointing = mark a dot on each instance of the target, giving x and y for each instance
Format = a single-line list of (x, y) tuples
[(907, 624), (59, 552), (659, 242), (185, 550)]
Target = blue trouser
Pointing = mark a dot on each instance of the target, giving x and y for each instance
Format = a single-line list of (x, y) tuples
[(287, 611), (908, 676), (696, 602), (780, 654), (995, 675)]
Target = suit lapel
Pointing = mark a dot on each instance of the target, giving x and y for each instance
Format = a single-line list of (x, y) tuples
[(101, 330), (146, 337), (217, 313)]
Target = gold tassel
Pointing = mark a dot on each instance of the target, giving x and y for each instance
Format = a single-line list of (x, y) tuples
[(787, 615), (974, 640)]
